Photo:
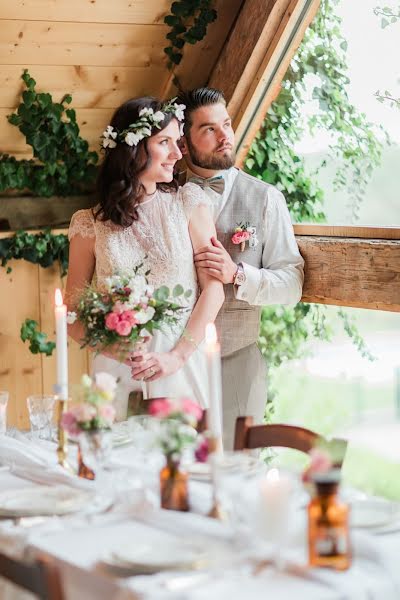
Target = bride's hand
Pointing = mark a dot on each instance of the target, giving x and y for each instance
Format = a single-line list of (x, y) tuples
[(154, 365)]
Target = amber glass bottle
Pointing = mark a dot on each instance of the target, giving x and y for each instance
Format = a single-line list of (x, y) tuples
[(174, 487), (328, 526)]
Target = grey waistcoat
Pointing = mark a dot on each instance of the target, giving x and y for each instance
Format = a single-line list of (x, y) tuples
[(238, 322)]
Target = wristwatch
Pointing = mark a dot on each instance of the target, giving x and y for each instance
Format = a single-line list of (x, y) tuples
[(240, 275)]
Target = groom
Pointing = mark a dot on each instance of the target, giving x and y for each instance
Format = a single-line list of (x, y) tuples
[(255, 255)]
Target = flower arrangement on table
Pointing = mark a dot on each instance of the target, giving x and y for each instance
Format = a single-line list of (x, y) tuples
[(326, 457), (92, 408), (127, 310), (179, 418)]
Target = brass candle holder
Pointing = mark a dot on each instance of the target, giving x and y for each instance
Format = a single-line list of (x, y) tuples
[(62, 448), (215, 446)]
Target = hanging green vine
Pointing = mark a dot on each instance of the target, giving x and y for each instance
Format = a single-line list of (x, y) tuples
[(272, 158), (188, 21), (62, 164), (42, 248), (38, 342)]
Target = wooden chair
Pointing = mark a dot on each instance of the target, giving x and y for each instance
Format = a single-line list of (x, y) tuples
[(249, 436), (41, 577)]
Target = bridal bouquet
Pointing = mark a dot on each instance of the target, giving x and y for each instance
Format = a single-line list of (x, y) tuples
[(127, 310)]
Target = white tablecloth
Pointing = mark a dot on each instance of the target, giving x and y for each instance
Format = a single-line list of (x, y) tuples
[(79, 544)]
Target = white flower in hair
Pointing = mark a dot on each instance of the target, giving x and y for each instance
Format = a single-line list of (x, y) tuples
[(109, 136), (132, 138), (180, 111), (143, 112), (158, 116)]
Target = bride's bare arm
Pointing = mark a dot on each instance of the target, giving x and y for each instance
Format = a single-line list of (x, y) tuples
[(201, 229), (80, 273)]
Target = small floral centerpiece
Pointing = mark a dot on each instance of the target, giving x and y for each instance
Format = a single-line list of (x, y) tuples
[(244, 232), (326, 457), (127, 310), (89, 419), (177, 432)]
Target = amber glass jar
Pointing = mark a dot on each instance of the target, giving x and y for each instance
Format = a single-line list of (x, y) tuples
[(328, 526), (83, 470), (174, 487)]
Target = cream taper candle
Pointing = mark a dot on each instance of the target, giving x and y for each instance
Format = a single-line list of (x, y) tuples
[(213, 353), (60, 313)]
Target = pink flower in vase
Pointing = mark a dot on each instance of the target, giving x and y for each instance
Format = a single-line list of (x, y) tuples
[(320, 463), (107, 412), (240, 236), (202, 451), (191, 408), (112, 321), (69, 423), (83, 412), (160, 408)]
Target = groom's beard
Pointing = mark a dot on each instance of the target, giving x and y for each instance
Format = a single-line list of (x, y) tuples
[(212, 160)]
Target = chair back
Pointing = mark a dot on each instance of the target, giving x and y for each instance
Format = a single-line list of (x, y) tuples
[(41, 577), (249, 436)]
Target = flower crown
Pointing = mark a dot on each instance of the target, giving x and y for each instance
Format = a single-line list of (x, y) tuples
[(142, 127)]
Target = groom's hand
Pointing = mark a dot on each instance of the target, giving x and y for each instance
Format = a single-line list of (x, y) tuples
[(216, 261)]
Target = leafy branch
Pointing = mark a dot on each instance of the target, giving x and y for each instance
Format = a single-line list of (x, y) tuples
[(188, 20), (389, 15), (38, 342), (62, 163), (42, 248)]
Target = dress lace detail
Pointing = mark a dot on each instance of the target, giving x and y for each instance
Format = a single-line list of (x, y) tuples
[(82, 223), (192, 195)]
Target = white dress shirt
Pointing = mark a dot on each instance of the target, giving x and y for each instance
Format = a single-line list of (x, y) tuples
[(280, 280)]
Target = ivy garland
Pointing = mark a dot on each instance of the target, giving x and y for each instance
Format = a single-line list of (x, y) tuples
[(43, 248), (188, 21), (62, 163)]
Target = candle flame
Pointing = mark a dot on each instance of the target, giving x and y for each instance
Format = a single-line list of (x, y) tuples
[(211, 334), (273, 475), (58, 299)]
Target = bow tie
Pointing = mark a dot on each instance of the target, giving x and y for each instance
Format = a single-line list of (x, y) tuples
[(214, 183)]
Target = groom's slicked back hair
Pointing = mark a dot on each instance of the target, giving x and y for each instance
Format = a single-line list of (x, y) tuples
[(197, 98)]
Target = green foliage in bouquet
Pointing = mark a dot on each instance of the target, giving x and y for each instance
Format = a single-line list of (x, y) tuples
[(127, 310)]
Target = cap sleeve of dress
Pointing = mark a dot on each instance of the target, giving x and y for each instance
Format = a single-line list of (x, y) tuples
[(192, 196), (82, 223)]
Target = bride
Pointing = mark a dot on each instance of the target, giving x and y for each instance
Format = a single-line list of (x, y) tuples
[(143, 216)]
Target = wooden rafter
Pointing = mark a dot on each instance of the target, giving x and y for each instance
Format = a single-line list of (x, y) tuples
[(255, 59)]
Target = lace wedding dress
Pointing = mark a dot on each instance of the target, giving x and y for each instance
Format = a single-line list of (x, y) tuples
[(160, 239)]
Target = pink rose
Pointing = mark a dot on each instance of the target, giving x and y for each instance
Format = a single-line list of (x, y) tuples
[(190, 407), (83, 412), (161, 408), (123, 327), (69, 423), (320, 463), (112, 321), (118, 307), (107, 412), (240, 236), (128, 315)]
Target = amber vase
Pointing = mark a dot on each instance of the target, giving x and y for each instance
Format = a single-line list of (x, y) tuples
[(83, 470), (328, 528), (174, 487)]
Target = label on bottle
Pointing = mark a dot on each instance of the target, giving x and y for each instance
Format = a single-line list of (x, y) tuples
[(331, 541)]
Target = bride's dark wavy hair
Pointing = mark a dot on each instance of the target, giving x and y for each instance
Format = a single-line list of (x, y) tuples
[(118, 185)]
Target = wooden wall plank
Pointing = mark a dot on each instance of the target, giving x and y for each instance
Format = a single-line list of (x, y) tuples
[(351, 272), (89, 11), (20, 371), (52, 43), (90, 86), (348, 231)]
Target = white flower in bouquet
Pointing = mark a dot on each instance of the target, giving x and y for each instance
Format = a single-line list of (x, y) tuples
[(145, 315)]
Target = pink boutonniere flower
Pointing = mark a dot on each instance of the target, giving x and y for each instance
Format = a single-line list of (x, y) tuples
[(243, 233)]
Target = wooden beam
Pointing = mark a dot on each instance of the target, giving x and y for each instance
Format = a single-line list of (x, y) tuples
[(363, 273), (348, 231), (255, 59)]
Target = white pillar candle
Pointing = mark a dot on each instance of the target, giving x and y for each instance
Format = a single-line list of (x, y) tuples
[(274, 504), (213, 353), (60, 313)]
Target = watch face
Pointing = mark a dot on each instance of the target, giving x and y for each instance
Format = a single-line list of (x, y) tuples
[(240, 278)]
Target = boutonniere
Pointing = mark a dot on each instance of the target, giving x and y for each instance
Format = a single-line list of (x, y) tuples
[(244, 232)]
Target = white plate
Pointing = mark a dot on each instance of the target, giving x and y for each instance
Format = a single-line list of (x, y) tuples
[(373, 513), (43, 500), (148, 558)]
